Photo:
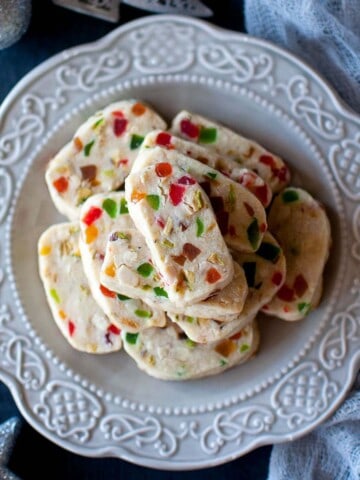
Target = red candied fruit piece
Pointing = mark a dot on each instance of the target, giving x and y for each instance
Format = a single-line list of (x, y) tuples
[(160, 221), (249, 209), (286, 294), (124, 161), (120, 125), (163, 139), (163, 169), (277, 278), (300, 285), (212, 275), (61, 184), (176, 193), (237, 335), (189, 129), (267, 160), (262, 193), (71, 327), (92, 215), (283, 174), (106, 292), (185, 180), (114, 329)]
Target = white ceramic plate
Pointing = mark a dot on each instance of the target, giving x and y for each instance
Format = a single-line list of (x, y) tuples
[(103, 405)]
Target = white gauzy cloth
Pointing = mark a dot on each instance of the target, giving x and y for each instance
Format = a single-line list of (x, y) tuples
[(325, 33)]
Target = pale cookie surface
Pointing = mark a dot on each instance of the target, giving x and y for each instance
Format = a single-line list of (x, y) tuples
[(75, 312), (247, 178), (128, 270), (167, 354), (302, 228), (175, 217), (239, 214), (100, 155), (100, 215), (247, 153), (265, 271)]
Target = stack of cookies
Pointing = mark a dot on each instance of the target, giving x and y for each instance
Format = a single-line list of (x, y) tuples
[(177, 239)]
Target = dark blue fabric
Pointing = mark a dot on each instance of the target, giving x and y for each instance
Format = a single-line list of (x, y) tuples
[(51, 30)]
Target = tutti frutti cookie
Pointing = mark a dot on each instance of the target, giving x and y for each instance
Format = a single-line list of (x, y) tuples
[(240, 215), (79, 318), (228, 167), (128, 270), (167, 354), (168, 208), (244, 151), (100, 154), (301, 226), (99, 215)]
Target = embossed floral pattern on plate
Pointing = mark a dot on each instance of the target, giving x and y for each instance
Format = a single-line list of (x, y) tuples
[(302, 372)]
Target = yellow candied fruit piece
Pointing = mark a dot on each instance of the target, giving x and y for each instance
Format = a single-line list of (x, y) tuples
[(110, 270), (62, 314), (45, 250), (91, 234)]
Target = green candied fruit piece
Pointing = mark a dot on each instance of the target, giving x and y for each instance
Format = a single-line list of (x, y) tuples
[(244, 347), (289, 196), (123, 207), (190, 319), (304, 308), (211, 175), (131, 338), (253, 233), (223, 362), (145, 269), (122, 298), (97, 123), (153, 201), (190, 343), (199, 227), (160, 292), (88, 147), (269, 251), (142, 313), (136, 141), (54, 294), (250, 272), (110, 207), (207, 135)]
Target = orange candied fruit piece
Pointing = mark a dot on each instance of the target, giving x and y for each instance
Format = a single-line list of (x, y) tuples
[(61, 184), (45, 250), (138, 109), (110, 270), (91, 234), (78, 143), (212, 275), (106, 292), (137, 196)]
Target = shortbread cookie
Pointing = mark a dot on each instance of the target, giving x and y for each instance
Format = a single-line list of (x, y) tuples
[(75, 312), (128, 270), (239, 214), (302, 228), (167, 353), (228, 167), (100, 155), (247, 153), (100, 214), (175, 217)]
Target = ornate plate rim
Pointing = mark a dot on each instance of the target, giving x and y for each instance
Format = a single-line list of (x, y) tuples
[(20, 387)]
